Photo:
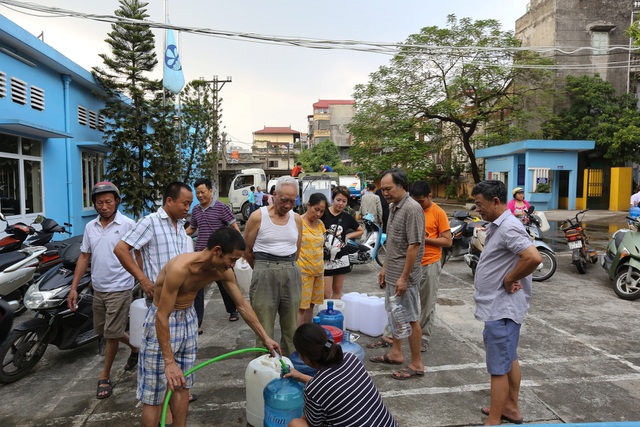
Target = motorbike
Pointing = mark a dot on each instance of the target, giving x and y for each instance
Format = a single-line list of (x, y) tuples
[(621, 261), (372, 244), (54, 323), (578, 242), (16, 234), (462, 227), (533, 225)]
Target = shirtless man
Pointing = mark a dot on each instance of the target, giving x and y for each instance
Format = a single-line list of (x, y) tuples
[(172, 319)]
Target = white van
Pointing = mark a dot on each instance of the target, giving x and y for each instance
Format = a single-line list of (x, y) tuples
[(239, 189)]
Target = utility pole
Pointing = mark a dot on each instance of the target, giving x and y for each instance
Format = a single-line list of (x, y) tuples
[(218, 84)]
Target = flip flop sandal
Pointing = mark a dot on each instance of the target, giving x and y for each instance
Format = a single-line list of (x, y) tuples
[(193, 397), (105, 389), (407, 373), (384, 359), (132, 361), (381, 343), (234, 316), (485, 411)]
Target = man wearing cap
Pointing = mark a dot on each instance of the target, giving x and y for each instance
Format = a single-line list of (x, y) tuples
[(111, 283)]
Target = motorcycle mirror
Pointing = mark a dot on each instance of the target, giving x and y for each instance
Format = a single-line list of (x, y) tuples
[(531, 209), (473, 208), (38, 219), (2, 217)]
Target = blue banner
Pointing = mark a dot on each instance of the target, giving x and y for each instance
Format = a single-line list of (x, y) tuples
[(173, 79)]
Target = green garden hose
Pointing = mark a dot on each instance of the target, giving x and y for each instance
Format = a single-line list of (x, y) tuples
[(208, 362)]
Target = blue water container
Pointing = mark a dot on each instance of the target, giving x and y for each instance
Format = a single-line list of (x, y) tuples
[(331, 317), (634, 212), (300, 365), (282, 402), (350, 347)]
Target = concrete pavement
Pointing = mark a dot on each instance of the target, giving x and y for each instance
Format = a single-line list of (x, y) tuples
[(579, 355)]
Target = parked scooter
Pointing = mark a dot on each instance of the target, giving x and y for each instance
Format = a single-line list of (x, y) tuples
[(622, 260), (53, 323), (462, 226), (16, 234), (579, 242), (533, 224), (364, 253)]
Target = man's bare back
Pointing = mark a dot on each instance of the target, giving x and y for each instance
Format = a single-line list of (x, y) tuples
[(188, 273)]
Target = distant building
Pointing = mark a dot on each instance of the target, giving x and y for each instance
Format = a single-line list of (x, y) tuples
[(572, 24), (274, 147), (329, 121), (51, 149)]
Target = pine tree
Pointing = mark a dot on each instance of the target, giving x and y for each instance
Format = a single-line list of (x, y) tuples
[(143, 157)]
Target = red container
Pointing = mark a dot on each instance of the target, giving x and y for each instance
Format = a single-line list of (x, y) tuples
[(336, 333)]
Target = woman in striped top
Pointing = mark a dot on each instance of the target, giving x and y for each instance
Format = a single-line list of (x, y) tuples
[(341, 393)]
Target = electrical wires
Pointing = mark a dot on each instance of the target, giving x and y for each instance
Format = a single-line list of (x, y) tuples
[(387, 48)]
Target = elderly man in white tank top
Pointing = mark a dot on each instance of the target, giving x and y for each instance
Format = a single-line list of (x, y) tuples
[(273, 235)]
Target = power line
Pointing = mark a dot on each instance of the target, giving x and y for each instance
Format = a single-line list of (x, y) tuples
[(389, 48)]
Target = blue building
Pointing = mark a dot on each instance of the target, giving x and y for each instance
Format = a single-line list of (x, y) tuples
[(547, 170), (51, 149)]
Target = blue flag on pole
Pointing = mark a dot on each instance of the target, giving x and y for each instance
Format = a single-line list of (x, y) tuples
[(173, 79)]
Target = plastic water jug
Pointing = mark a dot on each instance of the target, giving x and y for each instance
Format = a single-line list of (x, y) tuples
[(349, 346), (300, 365), (374, 316), (331, 317), (243, 272), (260, 372), (137, 314), (334, 333), (338, 304), (400, 326), (349, 310), (282, 402), (634, 212)]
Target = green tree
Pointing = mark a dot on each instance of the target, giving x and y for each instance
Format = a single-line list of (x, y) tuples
[(139, 131), (198, 128), (471, 86), (596, 112), (326, 153)]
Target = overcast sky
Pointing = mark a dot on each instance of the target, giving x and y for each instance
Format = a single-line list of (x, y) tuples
[(272, 85)]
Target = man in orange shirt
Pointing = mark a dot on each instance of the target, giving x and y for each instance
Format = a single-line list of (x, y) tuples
[(297, 169), (437, 236)]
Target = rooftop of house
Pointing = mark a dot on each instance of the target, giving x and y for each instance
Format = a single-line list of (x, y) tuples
[(324, 103), (270, 130)]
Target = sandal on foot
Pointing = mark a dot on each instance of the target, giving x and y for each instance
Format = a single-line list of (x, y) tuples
[(105, 389), (485, 411), (200, 331), (234, 316), (379, 344), (384, 359), (406, 373), (132, 361), (193, 397), (423, 347)]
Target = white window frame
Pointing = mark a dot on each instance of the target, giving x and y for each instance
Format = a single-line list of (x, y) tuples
[(93, 167), (23, 215)]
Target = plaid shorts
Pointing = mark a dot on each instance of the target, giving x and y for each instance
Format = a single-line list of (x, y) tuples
[(183, 330)]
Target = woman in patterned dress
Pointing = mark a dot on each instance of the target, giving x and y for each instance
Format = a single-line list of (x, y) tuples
[(311, 260)]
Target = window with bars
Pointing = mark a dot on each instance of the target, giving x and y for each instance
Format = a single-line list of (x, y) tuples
[(3, 85), (82, 115), (92, 172), (37, 98), (18, 91)]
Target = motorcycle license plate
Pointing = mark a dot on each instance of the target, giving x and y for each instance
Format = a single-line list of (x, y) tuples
[(575, 245)]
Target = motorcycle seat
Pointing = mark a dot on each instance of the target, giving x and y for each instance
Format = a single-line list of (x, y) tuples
[(10, 258)]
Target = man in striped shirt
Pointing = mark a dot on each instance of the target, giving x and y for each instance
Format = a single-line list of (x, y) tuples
[(210, 215)]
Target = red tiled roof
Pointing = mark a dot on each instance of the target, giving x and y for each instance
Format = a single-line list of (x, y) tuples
[(276, 130), (324, 103)]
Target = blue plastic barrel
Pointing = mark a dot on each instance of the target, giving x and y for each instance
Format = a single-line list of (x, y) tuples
[(300, 365), (331, 317), (350, 347), (282, 402)]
